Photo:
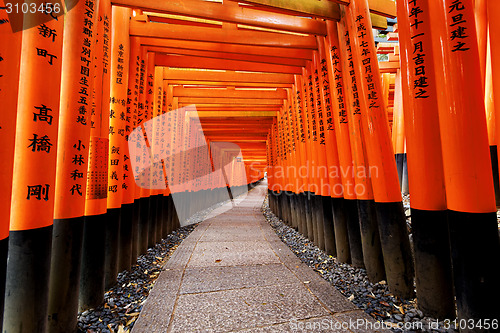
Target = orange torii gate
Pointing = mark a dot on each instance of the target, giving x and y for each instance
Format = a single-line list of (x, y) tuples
[(293, 89)]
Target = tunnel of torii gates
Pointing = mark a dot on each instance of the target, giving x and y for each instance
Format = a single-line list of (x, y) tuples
[(294, 89)]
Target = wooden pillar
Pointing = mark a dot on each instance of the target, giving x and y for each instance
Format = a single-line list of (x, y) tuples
[(92, 266), (390, 215), (10, 49), (133, 108), (127, 217), (72, 161), (425, 160), (359, 203), (32, 209), (117, 115), (464, 140)]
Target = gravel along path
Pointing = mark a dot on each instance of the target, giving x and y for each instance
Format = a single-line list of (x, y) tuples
[(374, 299), (124, 301)]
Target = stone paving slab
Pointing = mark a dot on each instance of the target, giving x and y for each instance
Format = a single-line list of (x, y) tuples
[(223, 233), (205, 279), (244, 308), (232, 254), (233, 274)]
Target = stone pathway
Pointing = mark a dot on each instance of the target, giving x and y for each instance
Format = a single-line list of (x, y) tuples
[(232, 273)]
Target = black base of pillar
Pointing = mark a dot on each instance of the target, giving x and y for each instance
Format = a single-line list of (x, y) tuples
[(170, 216), (135, 230), (27, 281), (433, 274), (152, 221), (67, 236), (111, 248), (354, 233), (125, 239), (320, 221), (165, 227), (301, 214), (494, 166), (92, 268), (309, 217), (395, 244), (4, 250), (475, 254), (159, 217), (341, 234), (143, 229), (370, 240), (329, 231)]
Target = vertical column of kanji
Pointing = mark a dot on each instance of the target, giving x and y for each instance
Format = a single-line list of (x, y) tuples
[(32, 208), (159, 183), (200, 164), (350, 213), (276, 182), (278, 168), (336, 184), (470, 196), (143, 158), (193, 157), (291, 169), (428, 199), (282, 130), (167, 160), (120, 47), (310, 160), (269, 170), (186, 141), (201, 168), (343, 66), (183, 144), (322, 167), (92, 260), (164, 153), (326, 124), (282, 163), (176, 139), (128, 217), (391, 218), (77, 81), (318, 156), (313, 147), (275, 187), (148, 104), (301, 147), (292, 110), (133, 104), (311, 155), (10, 53)]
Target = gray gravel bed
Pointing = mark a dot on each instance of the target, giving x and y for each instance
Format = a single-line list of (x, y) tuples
[(124, 301), (374, 298)]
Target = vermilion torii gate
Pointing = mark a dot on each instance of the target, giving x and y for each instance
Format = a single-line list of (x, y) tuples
[(298, 87)]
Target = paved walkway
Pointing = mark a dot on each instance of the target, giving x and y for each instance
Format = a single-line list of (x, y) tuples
[(232, 273)]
